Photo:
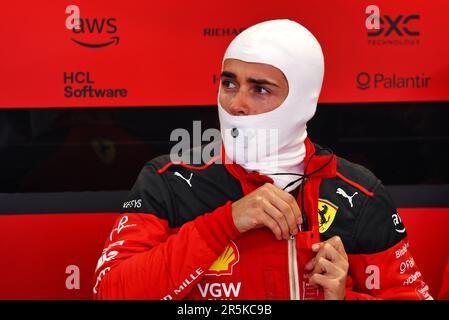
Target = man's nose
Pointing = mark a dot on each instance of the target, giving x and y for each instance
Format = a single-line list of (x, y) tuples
[(240, 105)]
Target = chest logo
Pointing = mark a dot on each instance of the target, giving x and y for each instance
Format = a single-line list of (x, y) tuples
[(185, 179), (326, 214), (224, 264), (342, 192)]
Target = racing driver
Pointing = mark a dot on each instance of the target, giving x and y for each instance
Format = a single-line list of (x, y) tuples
[(293, 222)]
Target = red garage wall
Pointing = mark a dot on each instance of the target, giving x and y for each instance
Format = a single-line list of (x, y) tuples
[(151, 49)]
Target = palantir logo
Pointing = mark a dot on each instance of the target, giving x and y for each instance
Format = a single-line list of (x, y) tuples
[(363, 80), (91, 32), (394, 81)]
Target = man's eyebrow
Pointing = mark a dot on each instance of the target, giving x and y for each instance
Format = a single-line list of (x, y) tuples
[(228, 74), (231, 75), (262, 81)]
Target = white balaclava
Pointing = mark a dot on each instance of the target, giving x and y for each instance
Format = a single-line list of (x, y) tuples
[(292, 49)]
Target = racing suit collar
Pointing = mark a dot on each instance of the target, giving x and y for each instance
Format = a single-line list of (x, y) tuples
[(320, 164)]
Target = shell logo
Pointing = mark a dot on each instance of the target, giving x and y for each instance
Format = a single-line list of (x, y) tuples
[(224, 264)]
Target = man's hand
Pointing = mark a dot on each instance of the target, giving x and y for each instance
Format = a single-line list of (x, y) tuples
[(268, 206), (329, 268)]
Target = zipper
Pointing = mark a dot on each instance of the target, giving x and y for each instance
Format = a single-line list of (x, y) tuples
[(293, 269)]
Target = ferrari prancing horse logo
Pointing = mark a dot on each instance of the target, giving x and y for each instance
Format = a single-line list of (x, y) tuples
[(326, 214)]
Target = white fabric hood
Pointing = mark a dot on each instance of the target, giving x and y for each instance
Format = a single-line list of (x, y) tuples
[(292, 49)]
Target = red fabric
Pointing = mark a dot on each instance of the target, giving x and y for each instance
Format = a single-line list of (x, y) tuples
[(168, 165), (305, 240), (323, 166), (355, 185), (444, 292), (152, 263), (217, 228), (427, 233), (248, 180), (390, 274), (204, 258)]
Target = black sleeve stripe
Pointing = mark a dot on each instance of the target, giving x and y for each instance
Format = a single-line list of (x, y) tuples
[(378, 226)]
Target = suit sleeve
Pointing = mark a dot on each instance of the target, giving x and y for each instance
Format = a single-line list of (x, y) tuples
[(381, 265), (144, 258)]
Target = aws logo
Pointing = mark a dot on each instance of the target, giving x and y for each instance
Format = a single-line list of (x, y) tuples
[(224, 264), (326, 214), (91, 32)]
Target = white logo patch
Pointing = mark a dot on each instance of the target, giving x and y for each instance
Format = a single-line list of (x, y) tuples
[(342, 192), (182, 177), (398, 226), (121, 225)]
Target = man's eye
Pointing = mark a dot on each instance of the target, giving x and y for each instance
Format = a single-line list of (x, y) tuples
[(228, 84), (261, 90)]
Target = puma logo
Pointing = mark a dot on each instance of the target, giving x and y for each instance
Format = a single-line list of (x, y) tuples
[(342, 192), (182, 177)]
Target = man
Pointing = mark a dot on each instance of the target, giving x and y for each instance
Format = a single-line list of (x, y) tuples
[(293, 222)]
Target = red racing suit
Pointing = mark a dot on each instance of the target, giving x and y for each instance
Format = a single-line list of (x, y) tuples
[(176, 239)]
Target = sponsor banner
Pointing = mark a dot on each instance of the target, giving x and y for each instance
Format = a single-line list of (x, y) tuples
[(53, 256), (145, 54)]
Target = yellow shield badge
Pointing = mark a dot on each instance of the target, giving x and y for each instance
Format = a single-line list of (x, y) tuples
[(326, 214), (224, 264)]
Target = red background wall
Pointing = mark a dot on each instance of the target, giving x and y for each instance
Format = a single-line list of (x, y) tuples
[(168, 47)]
